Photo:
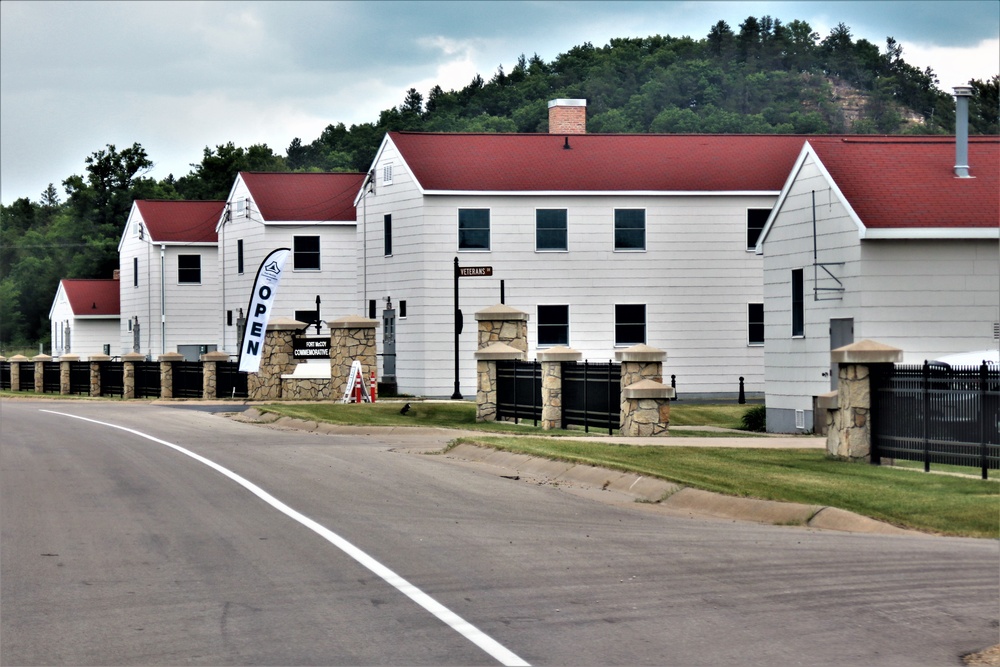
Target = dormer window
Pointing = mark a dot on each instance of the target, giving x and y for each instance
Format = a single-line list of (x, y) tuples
[(387, 174)]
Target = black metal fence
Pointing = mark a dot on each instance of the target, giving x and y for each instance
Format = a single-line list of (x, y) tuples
[(79, 377), (113, 378), (51, 372), (519, 390), (147, 379), (4, 375), (229, 381), (27, 377), (187, 379), (591, 395), (937, 413)]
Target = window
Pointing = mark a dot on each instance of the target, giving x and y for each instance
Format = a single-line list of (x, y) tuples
[(239, 256), (371, 309), (553, 325), (306, 253), (189, 269), (798, 304), (630, 324), (387, 232), (755, 324), (239, 208), (135, 272), (756, 217), (630, 229), (387, 174), (402, 309), (550, 229), (473, 229)]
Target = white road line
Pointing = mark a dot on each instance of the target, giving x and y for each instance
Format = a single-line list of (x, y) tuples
[(450, 618)]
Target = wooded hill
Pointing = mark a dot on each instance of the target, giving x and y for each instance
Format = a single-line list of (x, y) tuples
[(763, 77)]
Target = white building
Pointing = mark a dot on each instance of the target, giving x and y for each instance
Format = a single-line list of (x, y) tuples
[(877, 238), (604, 240), (310, 213), (170, 294), (84, 317)]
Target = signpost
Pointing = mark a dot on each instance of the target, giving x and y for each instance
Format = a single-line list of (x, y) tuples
[(464, 272)]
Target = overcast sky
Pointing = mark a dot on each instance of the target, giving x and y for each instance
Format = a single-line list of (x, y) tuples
[(179, 76)]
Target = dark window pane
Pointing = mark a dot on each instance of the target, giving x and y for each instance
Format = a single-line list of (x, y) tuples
[(550, 229), (189, 269), (239, 256), (387, 231), (756, 217), (755, 323), (306, 253), (473, 229), (630, 324), (553, 325), (798, 304), (630, 229)]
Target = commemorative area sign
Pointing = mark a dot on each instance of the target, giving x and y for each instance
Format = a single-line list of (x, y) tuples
[(304, 347)]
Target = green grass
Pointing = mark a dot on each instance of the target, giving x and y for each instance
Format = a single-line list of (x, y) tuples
[(936, 503)]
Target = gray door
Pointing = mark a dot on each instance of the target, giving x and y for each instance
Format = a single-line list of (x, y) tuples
[(841, 334), (389, 343)]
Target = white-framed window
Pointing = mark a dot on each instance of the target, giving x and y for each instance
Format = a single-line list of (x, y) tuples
[(550, 229), (189, 269), (756, 219), (402, 309), (630, 324), (553, 325), (135, 272), (473, 229), (239, 255), (387, 174), (630, 229), (239, 208), (305, 253), (755, 324), (387, 233), (798, 304)]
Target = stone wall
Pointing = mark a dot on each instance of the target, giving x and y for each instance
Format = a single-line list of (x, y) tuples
[(277, 358), (351, 338)]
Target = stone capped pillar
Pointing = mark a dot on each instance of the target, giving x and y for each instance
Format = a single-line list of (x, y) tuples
[(167, 360), (645, 400), (849, 414), (95, 372), (128, 381), (503, 324), (351, 338), (552, 360), (486, 377), (64, 362), (15, 371), (40, 360), (209, 372), (276, 359)]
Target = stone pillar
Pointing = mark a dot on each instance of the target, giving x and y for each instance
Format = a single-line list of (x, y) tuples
[(486, 378), (351, 338), (128, 381), (40, 360), (167, 360), (15, 371), (276, 358), (552, 360), (95, 372), (503, 324), (645, 400), (209, 373), (849, 423), (64, 362)]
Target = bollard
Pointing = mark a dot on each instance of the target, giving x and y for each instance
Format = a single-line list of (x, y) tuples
[(374, 386), (743, 397), (673, 385)]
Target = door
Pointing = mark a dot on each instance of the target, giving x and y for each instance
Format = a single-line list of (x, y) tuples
[(389, 343), (841, 334)]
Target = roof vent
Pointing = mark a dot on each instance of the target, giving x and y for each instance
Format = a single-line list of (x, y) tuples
[(566, 145)]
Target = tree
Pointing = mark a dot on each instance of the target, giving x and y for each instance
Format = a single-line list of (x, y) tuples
[(985, 106)]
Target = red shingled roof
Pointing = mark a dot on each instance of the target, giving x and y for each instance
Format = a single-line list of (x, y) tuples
[(909, 182), (92, 297), (599, 162), (181, 221), (304, 197)]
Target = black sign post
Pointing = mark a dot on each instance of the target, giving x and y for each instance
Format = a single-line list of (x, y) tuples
[(464, 272)]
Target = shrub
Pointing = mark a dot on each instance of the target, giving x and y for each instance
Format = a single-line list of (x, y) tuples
[(754, 419)]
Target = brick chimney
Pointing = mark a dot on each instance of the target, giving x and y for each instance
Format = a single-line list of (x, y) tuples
[(567, 116), (117, 275)]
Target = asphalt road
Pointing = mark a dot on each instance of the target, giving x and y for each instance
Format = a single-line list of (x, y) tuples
[(118, 549)]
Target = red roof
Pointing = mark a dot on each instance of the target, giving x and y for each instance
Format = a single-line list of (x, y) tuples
[(304, 197), (909, 182), (92, 297), (599, 162), (181, 221)]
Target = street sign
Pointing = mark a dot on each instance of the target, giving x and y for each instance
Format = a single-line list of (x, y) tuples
[(474, 271)]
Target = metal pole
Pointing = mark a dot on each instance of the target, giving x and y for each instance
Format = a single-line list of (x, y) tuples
[(457, 396)]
